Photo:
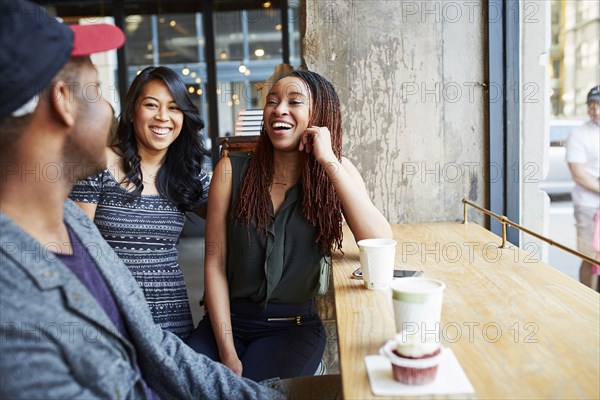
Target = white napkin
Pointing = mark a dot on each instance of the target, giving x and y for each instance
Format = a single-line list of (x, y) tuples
[(450, 379)]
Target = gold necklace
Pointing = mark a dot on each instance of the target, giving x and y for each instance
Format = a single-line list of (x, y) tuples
[(149, 174)]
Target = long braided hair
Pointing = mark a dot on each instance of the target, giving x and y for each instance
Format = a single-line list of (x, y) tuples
[(178, 179), (320, 204)]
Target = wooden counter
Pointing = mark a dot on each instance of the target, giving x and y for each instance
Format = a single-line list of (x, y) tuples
[(519, 328)]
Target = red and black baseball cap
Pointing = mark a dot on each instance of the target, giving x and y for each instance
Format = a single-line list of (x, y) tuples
[(34, 46)]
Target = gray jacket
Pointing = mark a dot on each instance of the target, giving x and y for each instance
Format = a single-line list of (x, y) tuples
[(56, 341)]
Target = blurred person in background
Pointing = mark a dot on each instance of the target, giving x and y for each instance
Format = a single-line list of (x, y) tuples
[(583, 157)]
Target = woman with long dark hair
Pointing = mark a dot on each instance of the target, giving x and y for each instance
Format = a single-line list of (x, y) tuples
[(154, 176), (273, 218)]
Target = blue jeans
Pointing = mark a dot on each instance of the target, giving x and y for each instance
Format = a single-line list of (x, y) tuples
[(269, 347)]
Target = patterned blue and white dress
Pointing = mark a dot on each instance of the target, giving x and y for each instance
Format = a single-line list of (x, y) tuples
[(144, 234)]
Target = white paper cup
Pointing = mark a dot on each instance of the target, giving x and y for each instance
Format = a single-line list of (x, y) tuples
[(377, 262), (418, 305)]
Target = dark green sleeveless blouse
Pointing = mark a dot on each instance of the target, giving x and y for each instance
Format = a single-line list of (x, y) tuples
[(280, 268)]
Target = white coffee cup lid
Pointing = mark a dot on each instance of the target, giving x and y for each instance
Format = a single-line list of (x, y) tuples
[(376, 243), (415, 289)]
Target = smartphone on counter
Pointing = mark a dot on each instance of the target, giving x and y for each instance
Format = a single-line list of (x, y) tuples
[(398, 273)]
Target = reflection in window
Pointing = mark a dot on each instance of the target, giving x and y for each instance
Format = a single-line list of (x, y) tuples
[(228, 36), (139, 44), (264, 33), (248, 35), (163, 39), (178, 39)]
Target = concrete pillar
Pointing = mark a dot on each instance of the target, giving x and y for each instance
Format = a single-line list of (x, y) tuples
[(410, 78)]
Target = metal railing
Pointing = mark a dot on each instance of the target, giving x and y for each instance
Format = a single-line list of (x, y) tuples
[(505, 221)]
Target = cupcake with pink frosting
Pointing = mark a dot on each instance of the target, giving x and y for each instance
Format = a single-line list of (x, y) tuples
[(414, 360)]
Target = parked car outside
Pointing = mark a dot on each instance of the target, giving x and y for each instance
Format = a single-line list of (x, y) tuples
[(559, 182)]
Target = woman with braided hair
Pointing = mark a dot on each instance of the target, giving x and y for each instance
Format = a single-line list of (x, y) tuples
[(273, 217)]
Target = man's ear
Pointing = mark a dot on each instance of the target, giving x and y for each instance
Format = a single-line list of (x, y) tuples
[(62, 103)]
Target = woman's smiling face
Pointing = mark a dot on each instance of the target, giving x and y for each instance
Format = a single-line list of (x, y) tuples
[(287, 112), (157, 121)]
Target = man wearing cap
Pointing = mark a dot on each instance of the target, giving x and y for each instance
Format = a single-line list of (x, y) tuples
[(583, 156), (73, 321)]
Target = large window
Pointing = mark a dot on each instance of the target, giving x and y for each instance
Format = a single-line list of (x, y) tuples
[(164, 39)]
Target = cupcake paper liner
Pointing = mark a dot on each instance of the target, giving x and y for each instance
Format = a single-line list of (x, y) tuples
[(411, 371)]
